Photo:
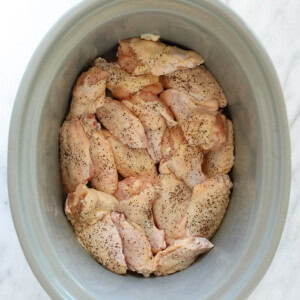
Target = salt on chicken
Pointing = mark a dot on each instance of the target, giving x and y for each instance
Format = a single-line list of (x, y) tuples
[(130, 161), (208, 206), (140, 56), (136, 247), (138, 209), (101, 239), (170, 208), (87, 204), (75, 160), (154, 115), (198, 83), (89, 92), (220, 161), (120, 121), (180, 255), (122, 84)]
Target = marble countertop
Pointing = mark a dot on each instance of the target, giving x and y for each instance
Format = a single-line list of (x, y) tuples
[(277, 25)]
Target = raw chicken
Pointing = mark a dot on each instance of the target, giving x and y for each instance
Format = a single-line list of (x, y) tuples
[(139, 56), (129, 161), (132, 186), (183, 106), (170, 208), (208, 206), (122, 84), (136, 247), (183, 160), (202, 126), (90, 124), (208, 131), (154, 116), (102, 240), (220, 161), (105, 177), (138, 209), (197, 82), (89, 92), (122, 123), (180, 255), (75, 160), (86, 204)]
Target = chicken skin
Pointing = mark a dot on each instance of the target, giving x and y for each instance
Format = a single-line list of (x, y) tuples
[(201, 125), (208, 206), (129, 161), (89, 124), (220, 161), (132, 186), (183, 160), (197, 82), (122, 84), (102, 240), (170, 208), (86, 204), (75, 160), (180, 255), (105, 177), (122, 123), (89, 92), (136, 247), (154, 116), (183, 106), (138, 209), (139, 56)]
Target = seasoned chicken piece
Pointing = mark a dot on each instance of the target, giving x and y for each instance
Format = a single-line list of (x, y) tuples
[(129, 161), (183, 160), (138, 209), (139, 56), (122, 84), (86, 204), (186, 164), (208, 131), (154, 116), (90, 124), (122, 123), (208, 206), (183, 106), (136, 247), (197, 82), (220, 161), (89, 92), (180, 255), (173, 138), (75, 160), (102, 240), (105, 177), (170, 208), (132, 186)]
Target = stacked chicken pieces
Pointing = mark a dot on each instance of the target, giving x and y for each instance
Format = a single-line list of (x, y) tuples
[(167, 114)]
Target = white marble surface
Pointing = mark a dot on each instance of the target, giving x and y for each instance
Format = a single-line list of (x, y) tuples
[(275, 22)]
